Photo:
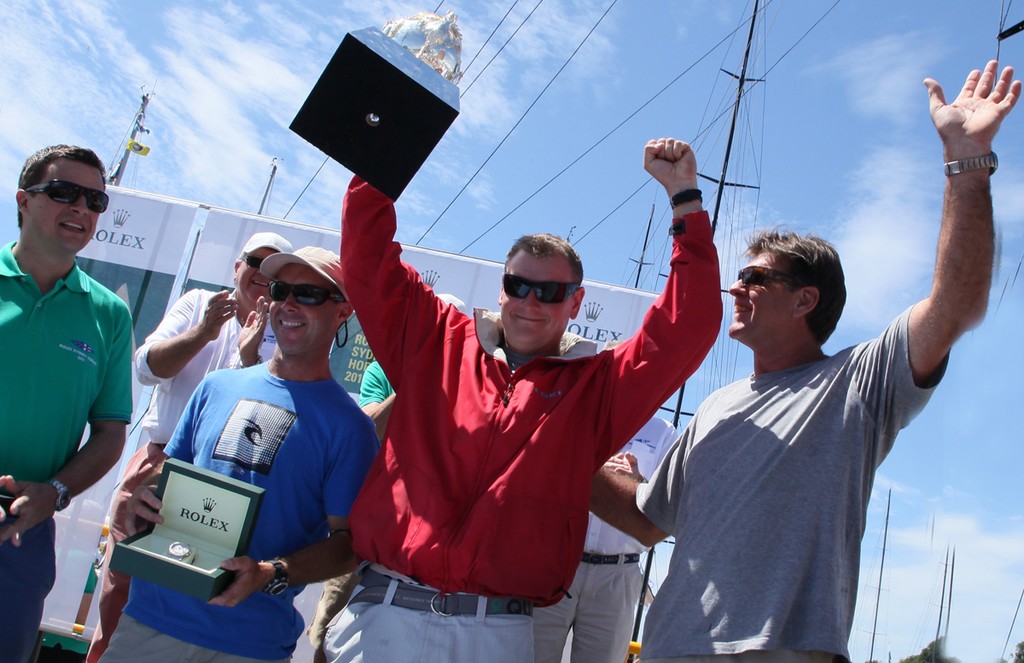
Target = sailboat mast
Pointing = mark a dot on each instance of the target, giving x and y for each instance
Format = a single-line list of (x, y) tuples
[(270, 184), (881, 568), (942, 602), (732, 126), (117, 173), (949, 603)]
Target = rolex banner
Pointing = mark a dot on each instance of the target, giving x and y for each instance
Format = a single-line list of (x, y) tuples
[(137, 251)]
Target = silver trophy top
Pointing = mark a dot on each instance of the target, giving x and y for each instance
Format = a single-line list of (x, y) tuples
[(434, 39)]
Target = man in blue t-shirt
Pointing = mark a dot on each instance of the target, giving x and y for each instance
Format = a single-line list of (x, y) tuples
[(288, 427)]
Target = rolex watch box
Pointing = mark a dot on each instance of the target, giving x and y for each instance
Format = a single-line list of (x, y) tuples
[(378, 110), (211, 514)]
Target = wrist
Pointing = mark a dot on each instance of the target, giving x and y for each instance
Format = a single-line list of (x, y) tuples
[(246, 362), (981, 163)]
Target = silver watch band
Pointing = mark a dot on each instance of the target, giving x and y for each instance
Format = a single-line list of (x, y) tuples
[(989, 161)]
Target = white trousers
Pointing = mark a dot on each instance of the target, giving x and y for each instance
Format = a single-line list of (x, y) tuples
[(600, 615)]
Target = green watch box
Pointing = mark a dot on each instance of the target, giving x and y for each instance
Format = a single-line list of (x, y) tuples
[(211, 514)]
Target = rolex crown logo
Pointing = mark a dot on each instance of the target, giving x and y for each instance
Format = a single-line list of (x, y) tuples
[(121, 217), (208, 504), (592, 311), (430, 277)]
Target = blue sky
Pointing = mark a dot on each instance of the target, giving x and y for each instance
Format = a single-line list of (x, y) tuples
[(836, 136)]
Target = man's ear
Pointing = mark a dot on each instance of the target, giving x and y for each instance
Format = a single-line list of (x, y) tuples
[(577, 302), (807, 301)]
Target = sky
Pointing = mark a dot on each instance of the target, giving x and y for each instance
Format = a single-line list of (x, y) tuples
[(833, 137)]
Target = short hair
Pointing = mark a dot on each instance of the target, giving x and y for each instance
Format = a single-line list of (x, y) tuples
[(32, 172), (814, 262), (543, 245)]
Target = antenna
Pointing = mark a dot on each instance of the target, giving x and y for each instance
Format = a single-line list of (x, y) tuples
[(270, 185), (132, 147)]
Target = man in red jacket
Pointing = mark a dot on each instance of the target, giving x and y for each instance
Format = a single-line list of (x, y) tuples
[(475, 510)]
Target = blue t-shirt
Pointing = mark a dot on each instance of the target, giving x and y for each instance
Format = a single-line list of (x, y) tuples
[(309, 446)]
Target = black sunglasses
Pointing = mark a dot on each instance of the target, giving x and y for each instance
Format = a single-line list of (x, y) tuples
[(762, 276), (305, 294), (255, 262), (547, 292), (65, 192)]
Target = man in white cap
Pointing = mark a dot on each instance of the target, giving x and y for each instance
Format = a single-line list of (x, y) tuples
[(204, 331), (314, 450)]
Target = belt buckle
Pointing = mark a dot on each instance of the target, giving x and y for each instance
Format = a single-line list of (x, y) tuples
[(437, 611)]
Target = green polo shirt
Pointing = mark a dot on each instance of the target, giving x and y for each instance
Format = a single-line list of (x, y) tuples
[(66, 361)]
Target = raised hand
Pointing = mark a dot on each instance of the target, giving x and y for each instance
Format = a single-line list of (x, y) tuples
[(251, 336), (671, 162), (968, 125), (221, 308)]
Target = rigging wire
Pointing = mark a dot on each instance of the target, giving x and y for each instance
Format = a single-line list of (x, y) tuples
[(516, 125), (301, 193), (633, 114), (501, 48), (599, 141)]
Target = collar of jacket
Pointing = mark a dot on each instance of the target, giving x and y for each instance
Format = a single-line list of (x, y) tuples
[(489, 334)]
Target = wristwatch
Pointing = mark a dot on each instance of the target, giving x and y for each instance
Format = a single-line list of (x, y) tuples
[(989, 161), (63, 494), (279, 582)]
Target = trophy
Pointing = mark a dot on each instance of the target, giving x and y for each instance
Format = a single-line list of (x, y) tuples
[(386, 98)]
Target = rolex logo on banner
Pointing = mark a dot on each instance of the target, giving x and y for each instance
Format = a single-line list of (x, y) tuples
[(592, 311), (119, 218)]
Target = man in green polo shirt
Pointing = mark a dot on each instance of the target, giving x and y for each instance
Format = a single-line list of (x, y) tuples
[(67, 361)]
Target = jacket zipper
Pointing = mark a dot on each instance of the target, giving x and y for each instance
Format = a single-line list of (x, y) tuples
[(479, 479)]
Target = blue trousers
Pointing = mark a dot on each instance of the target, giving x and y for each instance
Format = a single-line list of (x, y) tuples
[(27, 573)]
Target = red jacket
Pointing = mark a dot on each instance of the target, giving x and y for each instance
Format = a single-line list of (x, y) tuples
[(482, 484)]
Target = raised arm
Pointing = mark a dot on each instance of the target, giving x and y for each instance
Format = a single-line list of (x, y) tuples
[(175, 343), (681, 326), (963, 263)]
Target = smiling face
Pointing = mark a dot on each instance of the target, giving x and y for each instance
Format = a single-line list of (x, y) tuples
[(250, 285), (764, 314), (59, 229), (531, 327), (306, 332)]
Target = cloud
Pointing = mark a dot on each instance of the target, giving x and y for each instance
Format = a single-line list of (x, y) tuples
[(886, 236), (881, 79)]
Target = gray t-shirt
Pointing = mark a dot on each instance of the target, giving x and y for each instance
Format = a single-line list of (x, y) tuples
[(766, 494)]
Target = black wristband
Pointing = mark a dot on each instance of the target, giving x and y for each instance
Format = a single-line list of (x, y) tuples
[(686, 196), (677, 228)]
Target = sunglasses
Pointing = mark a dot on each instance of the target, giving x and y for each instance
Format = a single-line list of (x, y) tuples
[(255, 262), (305, 294), (547, 292), (65, 192), (763, 276)]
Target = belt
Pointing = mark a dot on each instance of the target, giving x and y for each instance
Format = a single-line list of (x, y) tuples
[(625, 558), (376, 586)]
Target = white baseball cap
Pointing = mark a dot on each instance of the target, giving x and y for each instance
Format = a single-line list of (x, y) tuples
[(266, 240)]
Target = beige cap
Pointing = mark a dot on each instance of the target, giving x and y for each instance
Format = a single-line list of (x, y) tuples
[(325, 263), (265, 240)]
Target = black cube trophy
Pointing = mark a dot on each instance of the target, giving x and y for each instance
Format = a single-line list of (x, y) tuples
[(385, 99)]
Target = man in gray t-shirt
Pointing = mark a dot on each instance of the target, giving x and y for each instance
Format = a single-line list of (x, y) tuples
[(766, 491)]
